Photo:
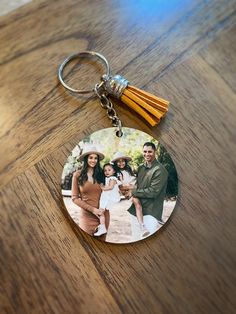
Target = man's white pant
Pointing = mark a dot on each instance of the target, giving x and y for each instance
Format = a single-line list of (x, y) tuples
[(151, 223)]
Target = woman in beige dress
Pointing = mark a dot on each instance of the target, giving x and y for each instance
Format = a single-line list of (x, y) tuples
[(86, 191)]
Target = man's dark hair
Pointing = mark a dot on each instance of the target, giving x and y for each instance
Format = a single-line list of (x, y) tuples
[(150, 144)]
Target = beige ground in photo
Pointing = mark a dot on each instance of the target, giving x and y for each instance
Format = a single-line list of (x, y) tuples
[(120, 228)]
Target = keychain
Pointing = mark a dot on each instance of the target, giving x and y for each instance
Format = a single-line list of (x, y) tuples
[(122, 188)]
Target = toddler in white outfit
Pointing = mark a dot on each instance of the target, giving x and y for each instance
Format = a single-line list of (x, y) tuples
[(110, 195)]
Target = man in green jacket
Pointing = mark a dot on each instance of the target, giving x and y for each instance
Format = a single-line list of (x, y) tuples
[(151, 190)]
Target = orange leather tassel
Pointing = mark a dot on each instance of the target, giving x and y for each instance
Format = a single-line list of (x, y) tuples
[(150, 107)]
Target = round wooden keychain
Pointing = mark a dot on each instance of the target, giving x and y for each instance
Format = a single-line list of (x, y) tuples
[(121, 186)]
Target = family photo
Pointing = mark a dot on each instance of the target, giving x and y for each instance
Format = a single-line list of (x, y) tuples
[(119, 190)]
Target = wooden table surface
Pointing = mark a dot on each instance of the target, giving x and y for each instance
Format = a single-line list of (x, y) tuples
[(183, 51)]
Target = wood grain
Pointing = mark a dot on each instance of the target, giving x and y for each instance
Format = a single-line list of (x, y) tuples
[(182, 51)]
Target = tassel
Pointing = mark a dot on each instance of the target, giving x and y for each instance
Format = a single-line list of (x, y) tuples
[(150, 107)]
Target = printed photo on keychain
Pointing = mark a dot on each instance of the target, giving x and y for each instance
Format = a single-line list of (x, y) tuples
[(119, 189)]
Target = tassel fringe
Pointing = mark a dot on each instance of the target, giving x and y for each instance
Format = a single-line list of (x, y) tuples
[(150, 107)]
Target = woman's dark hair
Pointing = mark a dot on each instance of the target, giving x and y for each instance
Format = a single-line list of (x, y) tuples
[(126, 167), (97, 173)]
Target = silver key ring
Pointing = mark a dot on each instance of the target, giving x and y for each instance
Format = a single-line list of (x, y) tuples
[(83, 54)]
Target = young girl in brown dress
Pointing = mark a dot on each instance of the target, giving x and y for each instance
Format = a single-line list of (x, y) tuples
[(86, 191)]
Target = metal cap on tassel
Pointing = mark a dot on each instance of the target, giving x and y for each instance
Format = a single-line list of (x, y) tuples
[(114, 85)]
